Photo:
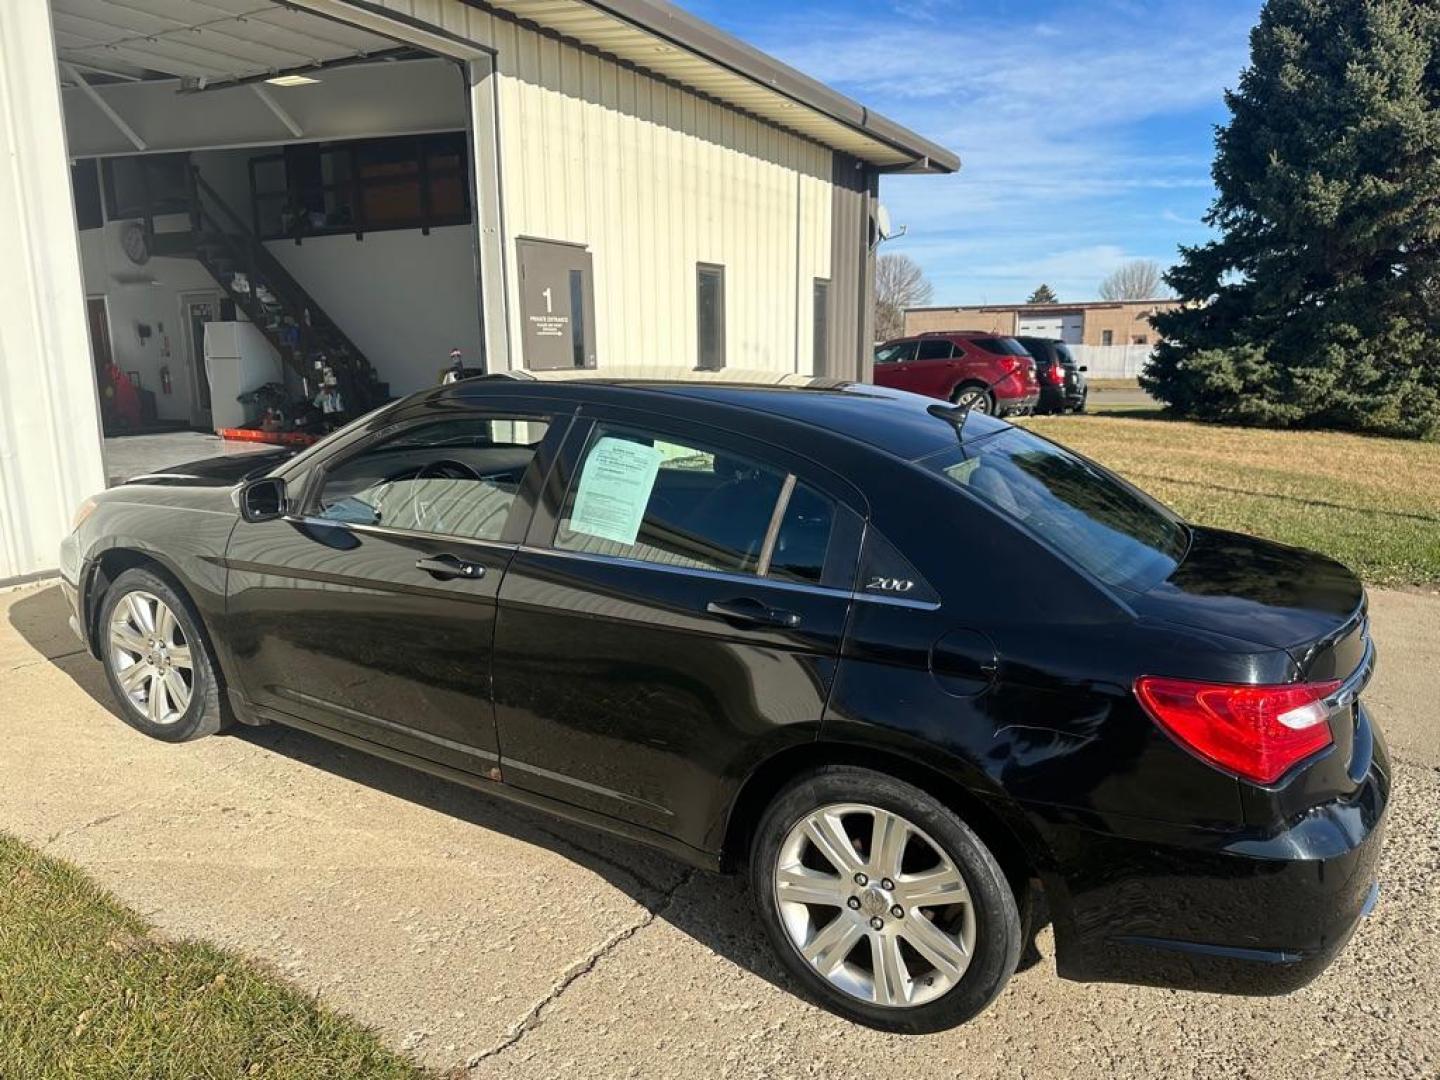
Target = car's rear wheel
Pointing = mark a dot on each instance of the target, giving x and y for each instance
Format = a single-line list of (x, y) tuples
[(157, 659), (975, 398), (883, 902)]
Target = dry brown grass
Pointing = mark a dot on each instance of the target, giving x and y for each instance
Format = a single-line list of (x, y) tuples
[(1372, 503)]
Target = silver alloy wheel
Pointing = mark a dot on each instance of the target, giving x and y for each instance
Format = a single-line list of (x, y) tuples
[(151, 658), (975, 400), (891, 921)]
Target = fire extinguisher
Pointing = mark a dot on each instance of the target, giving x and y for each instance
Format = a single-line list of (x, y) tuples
[(165, 379)]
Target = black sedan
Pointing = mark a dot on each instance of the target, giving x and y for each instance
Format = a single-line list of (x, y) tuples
[(932, 678)]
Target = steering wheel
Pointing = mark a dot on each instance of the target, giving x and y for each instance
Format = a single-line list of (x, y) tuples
[(447, 469)]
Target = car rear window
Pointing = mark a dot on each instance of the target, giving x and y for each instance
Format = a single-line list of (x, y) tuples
[(1119, 535), (1001, 346)]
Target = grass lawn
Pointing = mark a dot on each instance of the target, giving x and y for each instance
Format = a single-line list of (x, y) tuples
[(1374, 504), (88, 990)]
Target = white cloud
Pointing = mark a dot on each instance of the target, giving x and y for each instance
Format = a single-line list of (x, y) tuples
[(1053, 120)]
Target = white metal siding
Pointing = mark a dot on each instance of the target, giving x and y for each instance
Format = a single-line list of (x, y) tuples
[(652, 179), (49, 423)]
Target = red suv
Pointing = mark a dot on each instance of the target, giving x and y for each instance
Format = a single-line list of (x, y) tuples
[(989, 372)]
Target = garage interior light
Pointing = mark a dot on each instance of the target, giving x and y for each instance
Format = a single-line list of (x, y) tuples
[(291, 80)]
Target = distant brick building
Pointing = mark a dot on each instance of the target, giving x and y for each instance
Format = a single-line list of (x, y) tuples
[(1097, 322)]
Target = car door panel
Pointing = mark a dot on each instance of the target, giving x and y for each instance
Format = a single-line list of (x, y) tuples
[(618, 691), (646, 689), (337, 624), (347, 615)]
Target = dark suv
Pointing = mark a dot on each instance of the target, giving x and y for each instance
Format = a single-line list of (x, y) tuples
[(1062, 378), (989, 373)]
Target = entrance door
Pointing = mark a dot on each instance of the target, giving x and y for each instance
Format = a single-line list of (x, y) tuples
[(198, 309), (557, 306), (98, 315)]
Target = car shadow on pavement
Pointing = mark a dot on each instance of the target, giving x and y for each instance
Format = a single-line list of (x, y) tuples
[(717, 913)]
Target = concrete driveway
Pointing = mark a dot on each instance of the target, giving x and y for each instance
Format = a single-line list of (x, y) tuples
[(474, 934)]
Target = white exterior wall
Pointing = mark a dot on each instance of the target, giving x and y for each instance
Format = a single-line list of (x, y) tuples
[(49, 416), (652, 179)]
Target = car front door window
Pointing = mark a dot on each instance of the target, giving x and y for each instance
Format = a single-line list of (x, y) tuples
[(449, 478)]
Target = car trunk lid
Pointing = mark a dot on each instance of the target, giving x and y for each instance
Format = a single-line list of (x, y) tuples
[(1267, 593)]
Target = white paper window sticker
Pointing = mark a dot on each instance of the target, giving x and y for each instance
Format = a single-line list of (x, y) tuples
[(614, 490)]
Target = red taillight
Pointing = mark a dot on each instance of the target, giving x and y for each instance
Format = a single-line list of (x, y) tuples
[(1056, 375), (1255, 732)]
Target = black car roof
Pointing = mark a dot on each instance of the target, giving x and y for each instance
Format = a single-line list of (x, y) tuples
[(894, 421)]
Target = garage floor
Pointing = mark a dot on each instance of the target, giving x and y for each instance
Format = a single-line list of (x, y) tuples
[(471, 933), (134, 455)]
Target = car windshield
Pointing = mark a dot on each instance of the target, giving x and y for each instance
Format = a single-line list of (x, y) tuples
[(1117, 534)]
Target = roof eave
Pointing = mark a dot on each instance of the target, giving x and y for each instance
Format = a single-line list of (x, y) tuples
[(686, 31)]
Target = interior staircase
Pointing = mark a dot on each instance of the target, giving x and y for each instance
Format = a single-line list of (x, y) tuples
[(306, 338)]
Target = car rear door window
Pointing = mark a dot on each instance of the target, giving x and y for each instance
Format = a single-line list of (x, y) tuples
[(935, 349), (456, 477), (645, 496)]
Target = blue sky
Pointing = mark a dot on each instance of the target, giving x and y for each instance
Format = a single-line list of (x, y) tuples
[(1086, 130)]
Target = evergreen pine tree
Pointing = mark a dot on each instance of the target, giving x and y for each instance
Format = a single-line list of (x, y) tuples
[(1317, 305)]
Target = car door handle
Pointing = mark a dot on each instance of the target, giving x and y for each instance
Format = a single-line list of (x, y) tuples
[(445, 567), (753, 612)]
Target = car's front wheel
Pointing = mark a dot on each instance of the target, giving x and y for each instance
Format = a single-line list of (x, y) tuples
[(883, 902), (157, 659)]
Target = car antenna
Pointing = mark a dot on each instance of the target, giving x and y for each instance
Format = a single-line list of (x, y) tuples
[(956, 414)]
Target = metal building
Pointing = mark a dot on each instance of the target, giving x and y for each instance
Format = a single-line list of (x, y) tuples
[(538, 183)]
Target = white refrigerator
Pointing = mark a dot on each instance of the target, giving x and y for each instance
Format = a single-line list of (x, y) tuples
[(238, 359)]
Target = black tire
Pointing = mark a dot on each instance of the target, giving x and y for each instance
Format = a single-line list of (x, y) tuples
[(984, 403), (998, 931), (204, 714), (1084, 400)]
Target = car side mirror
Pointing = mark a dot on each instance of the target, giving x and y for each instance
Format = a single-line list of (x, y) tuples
[(263, 499), (1083, 367)]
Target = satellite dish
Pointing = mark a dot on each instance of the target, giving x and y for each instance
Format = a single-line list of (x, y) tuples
[(882, 221)]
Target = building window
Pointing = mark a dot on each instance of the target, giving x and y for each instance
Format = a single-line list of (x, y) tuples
[(85, 185), (364, 185), (1107, 337), (146, 185), (710, 315), (821, 333), (1142, 339)]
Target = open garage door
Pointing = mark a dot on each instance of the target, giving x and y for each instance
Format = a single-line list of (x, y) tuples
[(275, 203)]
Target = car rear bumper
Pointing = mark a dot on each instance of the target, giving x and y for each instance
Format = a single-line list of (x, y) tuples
[(1060, 397), (1232, 913), (1009, 405)]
